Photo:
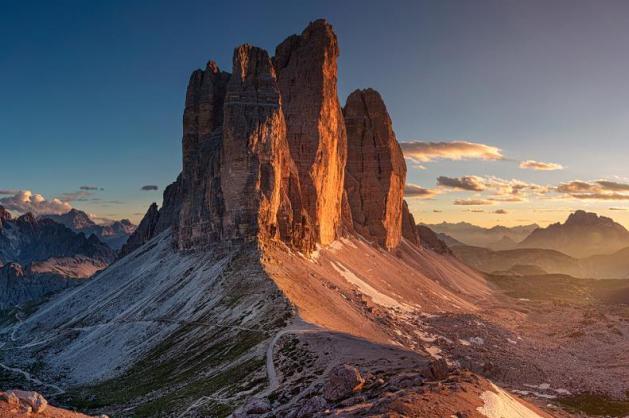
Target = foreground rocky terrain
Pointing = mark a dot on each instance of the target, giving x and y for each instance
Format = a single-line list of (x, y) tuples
[(282, 276)]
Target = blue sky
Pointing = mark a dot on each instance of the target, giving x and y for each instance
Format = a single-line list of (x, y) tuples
[(91, 93)]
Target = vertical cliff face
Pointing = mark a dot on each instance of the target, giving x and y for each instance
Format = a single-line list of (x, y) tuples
[(375, 171), (265, 155), (253, 134), (307, 75), (201, 210)]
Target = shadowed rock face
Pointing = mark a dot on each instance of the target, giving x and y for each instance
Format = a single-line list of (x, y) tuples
[(307, 74), (200, 195), (144, 232), (408, 225), (375, 171), (253, 133)]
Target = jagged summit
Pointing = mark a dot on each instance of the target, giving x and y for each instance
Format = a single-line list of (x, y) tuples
[(583, 234), (266, 155)]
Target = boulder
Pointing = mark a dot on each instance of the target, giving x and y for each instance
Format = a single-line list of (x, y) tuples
[(342, 381), (376, 171), (30, 399)]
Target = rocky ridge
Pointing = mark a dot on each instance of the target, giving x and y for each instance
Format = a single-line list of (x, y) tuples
[(114, 234)]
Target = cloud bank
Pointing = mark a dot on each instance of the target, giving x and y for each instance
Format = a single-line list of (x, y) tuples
[(26, 201), (594, 190)]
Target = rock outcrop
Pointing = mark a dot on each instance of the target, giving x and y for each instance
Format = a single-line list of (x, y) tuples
[(253, 134), (429, 239), (5, 215), (408, 225), (265, 154), (307, 76), (200, 198), (376, 170), (144, 232)]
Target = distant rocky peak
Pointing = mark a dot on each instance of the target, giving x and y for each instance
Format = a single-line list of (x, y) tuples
[(5, 215), (27, 218), (582, 218)]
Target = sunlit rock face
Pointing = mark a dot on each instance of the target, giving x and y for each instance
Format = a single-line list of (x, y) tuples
[(265, 155), (376, 170), (307, 77)]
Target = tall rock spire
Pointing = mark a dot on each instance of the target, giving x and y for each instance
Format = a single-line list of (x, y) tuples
[(253, 135), (307, 76), (376, 170), (199, 220)]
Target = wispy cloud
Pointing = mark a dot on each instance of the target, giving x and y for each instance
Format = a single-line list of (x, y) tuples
[(149, 187), (413, 190), (422, 152), (80, 196), (91, 188), (500, 212), (26, 201), (8, 192), (540, 166), (472, 202)]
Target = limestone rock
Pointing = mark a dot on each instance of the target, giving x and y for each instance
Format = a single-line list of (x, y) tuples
[(430, 240), (376, 170), (30, 399), (307, 76), (408, 225), (253, 134), (144, 232), (201, 206), (171, 207), (342, 381), (5, 215)]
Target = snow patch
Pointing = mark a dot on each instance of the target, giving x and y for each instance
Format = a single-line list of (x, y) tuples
[(377, 296), (499, 404)]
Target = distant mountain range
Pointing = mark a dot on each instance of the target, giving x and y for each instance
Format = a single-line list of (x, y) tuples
[(497, 238), (582, 235), (40, 256), (115, 235), (536, 261), (585, 245)]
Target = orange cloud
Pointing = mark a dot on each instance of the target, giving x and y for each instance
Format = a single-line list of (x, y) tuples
[(540, 166), (422, 152)]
